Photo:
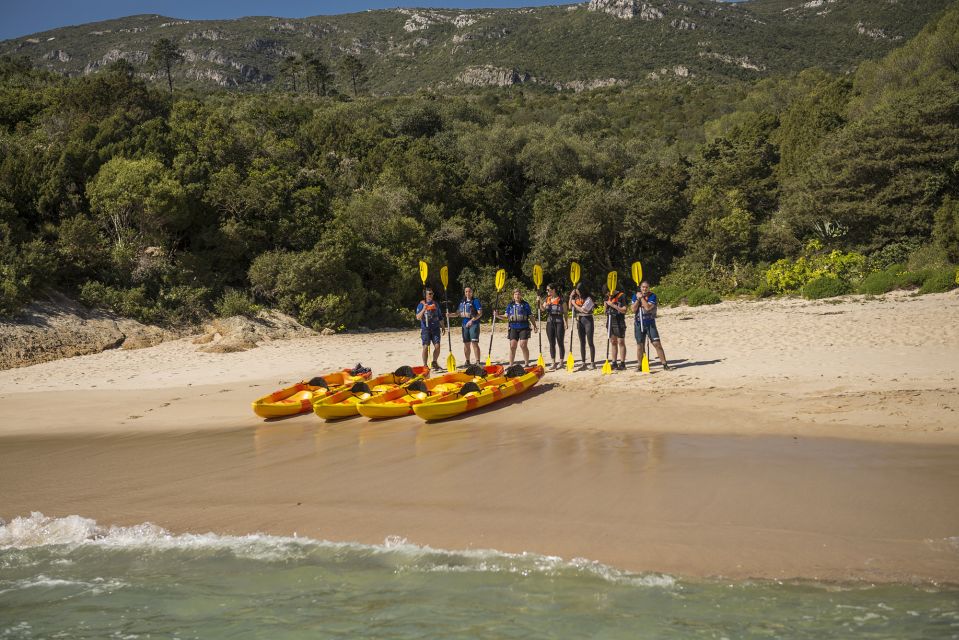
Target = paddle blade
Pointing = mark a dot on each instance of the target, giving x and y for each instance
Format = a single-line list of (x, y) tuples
[(424, 271), (570, 363), (611, 281), (451, 363), (489, 362), (607, 368), (537, 276), (500, 279), (645, 364), (445, 277), (637, 272), (574, 273), (540, 362)]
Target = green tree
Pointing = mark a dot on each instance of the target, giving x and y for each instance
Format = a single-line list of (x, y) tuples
[(354, 69), (164, 55)]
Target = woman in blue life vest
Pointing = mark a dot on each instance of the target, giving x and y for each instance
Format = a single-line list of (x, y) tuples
[(520, 317), (616, 317), (470, 310), (582, 305), (555, 310), (431, 328), (644, 306)]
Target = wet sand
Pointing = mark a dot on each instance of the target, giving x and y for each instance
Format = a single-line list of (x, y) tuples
[(733, 506), (793, 439)]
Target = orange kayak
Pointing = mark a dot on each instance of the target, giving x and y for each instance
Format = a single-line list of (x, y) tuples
[(299, 397), (400, 401), (343, 403), (480, 394)]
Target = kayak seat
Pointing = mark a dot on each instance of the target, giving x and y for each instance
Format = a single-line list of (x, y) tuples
[(475, 370), (469, 387), (360, 387), (318, 381), (417, 385), (405, 371), (516, 371)]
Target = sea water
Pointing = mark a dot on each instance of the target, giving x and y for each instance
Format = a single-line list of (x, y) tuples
[(71, 578)]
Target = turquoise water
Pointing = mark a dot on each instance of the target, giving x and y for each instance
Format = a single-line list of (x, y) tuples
[(70, 578)]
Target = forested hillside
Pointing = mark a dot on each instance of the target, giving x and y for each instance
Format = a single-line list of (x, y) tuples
[(165, 207), (589, 44)]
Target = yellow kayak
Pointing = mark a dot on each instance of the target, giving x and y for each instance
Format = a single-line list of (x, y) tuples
[(480, 394), (399, 401), (343, 403), (299, 397)]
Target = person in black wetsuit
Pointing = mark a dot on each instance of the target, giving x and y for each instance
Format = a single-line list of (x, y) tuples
[(582, 305), (555, 310)]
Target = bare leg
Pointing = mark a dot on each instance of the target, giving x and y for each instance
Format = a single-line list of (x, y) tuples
[(466, 352), (512, 352), (426, 353), (640, 350), (524, 346), (659, 352), (436, 353), (476, 350)]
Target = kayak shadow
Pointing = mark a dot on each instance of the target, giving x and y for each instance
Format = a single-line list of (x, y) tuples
[(537, 390), (285, 418)]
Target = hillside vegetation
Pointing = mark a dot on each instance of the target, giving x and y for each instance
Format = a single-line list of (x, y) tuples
[(163, 207), (572, 46)]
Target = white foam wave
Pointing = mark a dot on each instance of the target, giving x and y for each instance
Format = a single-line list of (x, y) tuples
[(94, 586), (38, 530)]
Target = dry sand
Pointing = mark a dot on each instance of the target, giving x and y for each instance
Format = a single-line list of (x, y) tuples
[(794, 439)]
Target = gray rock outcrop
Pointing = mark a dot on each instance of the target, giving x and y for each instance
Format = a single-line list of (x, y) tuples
[(61, 328)]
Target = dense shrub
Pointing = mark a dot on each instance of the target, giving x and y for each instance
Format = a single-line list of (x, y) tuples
[(697, 297), (236, 303), (939, 280), (793, 275), (879, 282), (669, 295), (825, 287)]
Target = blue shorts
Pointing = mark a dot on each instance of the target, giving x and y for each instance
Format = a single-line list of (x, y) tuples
[(471, 333), (648, 329), (430, 334)]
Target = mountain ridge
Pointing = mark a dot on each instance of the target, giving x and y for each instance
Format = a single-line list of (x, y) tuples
[(595, 43)]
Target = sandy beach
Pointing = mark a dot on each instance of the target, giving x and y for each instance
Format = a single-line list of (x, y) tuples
[(793, 439)]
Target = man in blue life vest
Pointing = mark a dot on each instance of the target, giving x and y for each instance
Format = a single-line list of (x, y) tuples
[(431, 329), (520, 317), (644, 306), (470, 310)]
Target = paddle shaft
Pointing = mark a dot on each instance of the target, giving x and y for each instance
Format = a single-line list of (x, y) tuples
[(492, 326), (446, 305)]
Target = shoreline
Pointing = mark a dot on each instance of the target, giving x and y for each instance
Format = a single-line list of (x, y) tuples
[(794, 440)]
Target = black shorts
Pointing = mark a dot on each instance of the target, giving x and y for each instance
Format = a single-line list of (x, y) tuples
[(617, 326), (519, 334)]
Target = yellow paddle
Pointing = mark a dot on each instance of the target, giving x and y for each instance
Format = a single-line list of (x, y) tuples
[(538, 281), (500, 283), (424, 272), (637, 278), (574, 277), (450, 359), (610, 287)]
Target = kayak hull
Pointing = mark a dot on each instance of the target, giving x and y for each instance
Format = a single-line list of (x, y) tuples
[(399, 402), (491, 391), (343, 403), (299, 398)]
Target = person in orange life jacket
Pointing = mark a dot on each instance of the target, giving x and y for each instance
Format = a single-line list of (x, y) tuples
[(555, 310), (429, 314), (616, 310), (470, 310), (582, 305), (520, 317), (644, 306)]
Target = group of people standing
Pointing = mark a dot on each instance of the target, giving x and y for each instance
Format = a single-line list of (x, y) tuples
[(522, 323)]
